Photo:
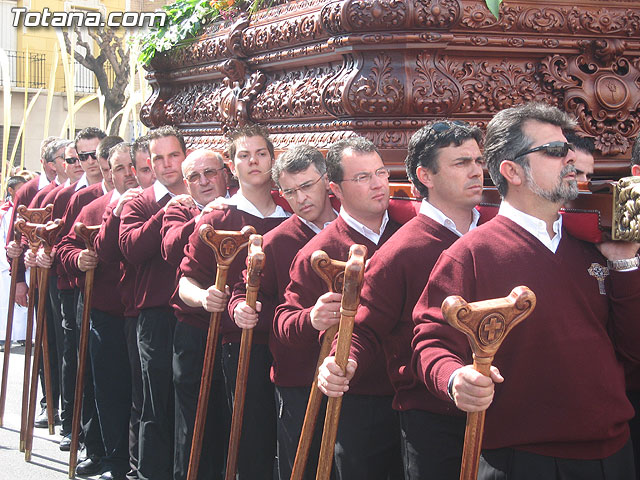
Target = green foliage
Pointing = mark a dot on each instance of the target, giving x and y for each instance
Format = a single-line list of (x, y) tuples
[(494, 7), (185, 19)]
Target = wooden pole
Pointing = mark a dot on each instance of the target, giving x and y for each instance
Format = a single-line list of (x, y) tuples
[(255, 264), (353, 278), (46, 234), (486, 324), (88, 234), (225, 246), (332, 273)]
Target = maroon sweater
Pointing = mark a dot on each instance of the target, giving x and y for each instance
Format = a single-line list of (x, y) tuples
[(280, 246), (292, 323), (108, 251), (38, 199), (177, 225), (77, 202), (199, 263), (105, 297), (23, 197), (564, 392), (394, 281), (140, 239)]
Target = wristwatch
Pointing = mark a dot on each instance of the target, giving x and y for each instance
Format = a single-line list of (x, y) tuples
[(624, 264)]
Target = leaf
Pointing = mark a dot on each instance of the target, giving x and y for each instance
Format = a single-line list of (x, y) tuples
[(494, 7)]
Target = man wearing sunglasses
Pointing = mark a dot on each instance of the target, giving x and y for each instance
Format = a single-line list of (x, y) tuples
[(72, 165), (300, 173), (445, 165), (360, 180), (560, 410)]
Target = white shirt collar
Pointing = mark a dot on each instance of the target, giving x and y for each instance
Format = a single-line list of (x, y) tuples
[(363, 229), (57, 180), (159, 190), (241, 202), (428, 210), (533, 225), (104, 187), (67, 183), (82, 182), (43, 181), (313, 226), (114, 196)]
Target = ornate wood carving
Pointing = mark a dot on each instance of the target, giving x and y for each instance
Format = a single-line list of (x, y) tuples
[(320, 70)]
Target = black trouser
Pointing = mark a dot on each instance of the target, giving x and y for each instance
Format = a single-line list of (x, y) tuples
[(130, 327), (112, 384), (90, 421), (634, 426), (291, 406), (155, 343), (256, 456), (510, 464), (188, 357), (68, 301), (431, 445), (53, 317), (368, 441)]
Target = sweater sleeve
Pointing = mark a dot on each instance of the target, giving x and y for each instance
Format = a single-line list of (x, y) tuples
[(107, 239), (177, 225), (438, 348), (68, 251), (140, 236), (624, 301)]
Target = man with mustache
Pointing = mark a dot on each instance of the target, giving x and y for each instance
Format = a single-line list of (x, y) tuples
[(252, 154), (556, 392), (360, 180), (445, 163)]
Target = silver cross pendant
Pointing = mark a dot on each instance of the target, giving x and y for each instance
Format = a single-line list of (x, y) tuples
[(599, 272)]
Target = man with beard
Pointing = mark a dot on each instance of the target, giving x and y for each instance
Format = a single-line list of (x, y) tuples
[(560, 410)]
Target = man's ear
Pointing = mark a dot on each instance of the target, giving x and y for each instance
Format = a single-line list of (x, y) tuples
[(336, 189), (425, 176), (635, 170), (512, 172)]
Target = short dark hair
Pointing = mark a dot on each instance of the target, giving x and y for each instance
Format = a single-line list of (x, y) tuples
[(140, 144), (297, 158), (119, 148), (106, 144), (584, 144), (89, 133), (255, 130), (505, 138), (635, 152), (15, 180), (425, 144), (53, 147), (359, 144), (166, 131)]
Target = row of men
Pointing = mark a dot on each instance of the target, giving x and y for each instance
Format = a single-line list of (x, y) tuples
[(409, 381)]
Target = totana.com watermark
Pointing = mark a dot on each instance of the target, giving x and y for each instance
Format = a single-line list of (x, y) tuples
[(47, 18)]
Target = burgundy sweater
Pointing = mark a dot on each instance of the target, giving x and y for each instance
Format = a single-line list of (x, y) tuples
[(564, 391), (199, 263), (105, 297), (177, 225), (23, 197), (140, 238), (280, 246), (38, 199), (108, 251), (394, 281), (292, 323)]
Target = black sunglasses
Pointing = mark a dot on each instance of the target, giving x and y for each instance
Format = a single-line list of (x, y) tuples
[(84, 156), (71, 160), (553, 149)]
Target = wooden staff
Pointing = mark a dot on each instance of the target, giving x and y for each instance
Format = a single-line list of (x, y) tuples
[(353, 278), (88, 234), (47, 234), (486, 324), (225, 246), (332, 272), (255, 264)]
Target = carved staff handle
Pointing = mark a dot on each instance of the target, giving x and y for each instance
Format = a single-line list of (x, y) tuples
[(88, 235), (353, 279), (35, 215), (332, 273), (225, 246), (486, 324), (255, 264)]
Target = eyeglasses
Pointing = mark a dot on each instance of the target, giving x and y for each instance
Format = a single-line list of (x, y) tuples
[(209, 174), (71, 160), (364, 178), (553, 149), (440, 127), (84, 156), (304, 188)]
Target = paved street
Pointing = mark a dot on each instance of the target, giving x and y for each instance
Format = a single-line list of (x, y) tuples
[(47, 461)]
